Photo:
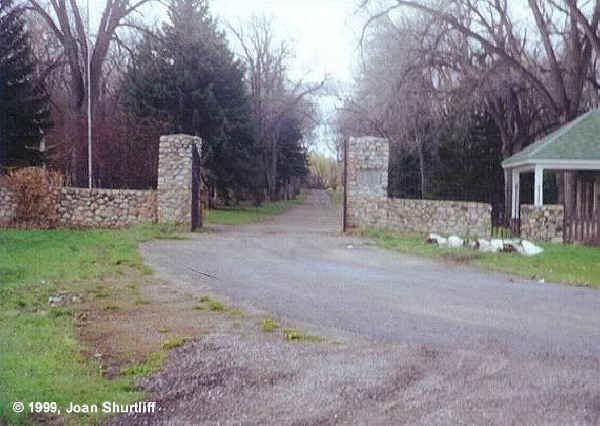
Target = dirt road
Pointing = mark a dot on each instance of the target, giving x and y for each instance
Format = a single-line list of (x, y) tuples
[(419, 341)]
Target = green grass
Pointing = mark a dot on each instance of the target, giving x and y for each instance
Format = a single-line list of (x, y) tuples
[(293, 335), (212, 304), (235, 313), (215, 305), (174, 342), (269, 325), (568, 264), (40, 358), (151, 365), (66, 255), (246, 213)]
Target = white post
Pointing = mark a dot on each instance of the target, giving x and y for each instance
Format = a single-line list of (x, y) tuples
[(515, 193), (538, 192)]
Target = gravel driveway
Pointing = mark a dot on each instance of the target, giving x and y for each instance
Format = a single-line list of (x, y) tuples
[(420, 341)]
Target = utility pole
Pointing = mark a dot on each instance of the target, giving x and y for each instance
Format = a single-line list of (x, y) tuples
[(345, 186), (89, 96), (3, 140)]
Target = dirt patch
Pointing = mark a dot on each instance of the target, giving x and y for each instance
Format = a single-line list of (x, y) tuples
[(260, 379), (124, 320)]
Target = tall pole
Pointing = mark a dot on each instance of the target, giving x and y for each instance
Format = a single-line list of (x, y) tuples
[(3, 140), (89, 96), (345, 185)]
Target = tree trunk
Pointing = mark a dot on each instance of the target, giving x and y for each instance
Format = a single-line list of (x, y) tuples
[(76, 132), (422, 168), (559, 177), (273, 172)]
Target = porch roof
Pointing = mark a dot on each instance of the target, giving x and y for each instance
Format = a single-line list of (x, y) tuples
[(576, 145)]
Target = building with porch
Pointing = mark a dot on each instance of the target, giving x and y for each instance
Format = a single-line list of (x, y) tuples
[(572, 154)]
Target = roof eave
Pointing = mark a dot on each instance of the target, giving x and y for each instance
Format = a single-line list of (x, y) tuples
[(510, 163), (561, 164)]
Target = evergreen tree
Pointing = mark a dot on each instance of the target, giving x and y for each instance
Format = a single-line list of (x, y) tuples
[(292, 159), (186, 77), (24, 113), (469, 158), (403, 172)]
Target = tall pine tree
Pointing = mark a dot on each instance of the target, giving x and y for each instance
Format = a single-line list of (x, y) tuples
[(292, 158), (186, 77), (24, 113), (468, 161)]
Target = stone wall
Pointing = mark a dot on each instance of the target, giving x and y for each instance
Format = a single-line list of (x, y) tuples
[(445, 217), (82, 207), (106, 208), (174, 199), (7, 206), (542, 223), (115, 208), (369, 206)]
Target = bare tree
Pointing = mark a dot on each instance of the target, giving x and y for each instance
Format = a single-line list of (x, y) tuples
[(274, 96), (65, 22), (550, 58), (397, 90)]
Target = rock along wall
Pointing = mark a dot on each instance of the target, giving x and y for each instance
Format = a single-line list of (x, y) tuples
[(542, 223), (174, 189), (106, 208), (369, 206)]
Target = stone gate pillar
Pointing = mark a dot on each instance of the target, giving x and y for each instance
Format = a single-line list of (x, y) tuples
[(174, 189), (367, 181)]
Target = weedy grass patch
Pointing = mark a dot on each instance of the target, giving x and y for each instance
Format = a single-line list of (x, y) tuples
[(235, 313), (205, 302), (174, 342), (215, 305), (293, 335), (560, 263), (269, 325), (150, 365), (41, 359)]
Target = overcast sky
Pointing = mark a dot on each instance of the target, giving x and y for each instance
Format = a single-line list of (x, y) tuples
[(319, 31), (322, 35)]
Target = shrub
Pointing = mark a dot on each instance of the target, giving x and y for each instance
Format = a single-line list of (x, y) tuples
[(36, 193)]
